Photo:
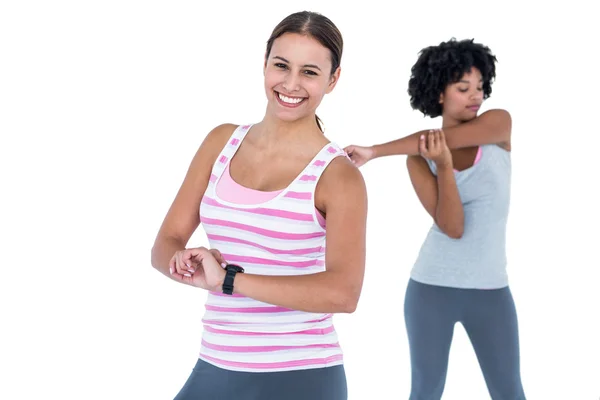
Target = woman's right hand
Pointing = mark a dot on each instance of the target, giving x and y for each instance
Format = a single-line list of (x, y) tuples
[(359, 155), (434, 148), (184, 266)]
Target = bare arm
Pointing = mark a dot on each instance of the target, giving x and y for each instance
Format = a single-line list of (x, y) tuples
[(439, 195), (491, 127), (183, 216), (341, 194)]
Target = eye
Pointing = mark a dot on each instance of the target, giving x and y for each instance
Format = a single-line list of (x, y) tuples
[(479, 89), (281, 65), (462, 90), (310, 72)]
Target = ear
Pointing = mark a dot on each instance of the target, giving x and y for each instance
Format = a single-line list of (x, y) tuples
[(441, 98), (333, 80)]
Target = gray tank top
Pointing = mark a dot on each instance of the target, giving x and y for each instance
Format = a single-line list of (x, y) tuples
[(478, 259)]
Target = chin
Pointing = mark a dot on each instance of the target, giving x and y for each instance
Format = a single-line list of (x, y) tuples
[(288, 117), (468, 118)]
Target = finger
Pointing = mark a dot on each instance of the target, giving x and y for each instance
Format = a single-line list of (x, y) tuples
[(187, 279), (172, 265), (208, 260), (173, 269), (442, 137), (188, 260), (218, 256), (180, 267), (431, 141), (422, 145), (199, 254)]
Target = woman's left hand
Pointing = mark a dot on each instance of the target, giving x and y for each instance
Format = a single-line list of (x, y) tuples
[(207, 266)]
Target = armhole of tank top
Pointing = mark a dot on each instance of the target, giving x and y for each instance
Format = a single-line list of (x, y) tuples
[(503, 149), (315, 210), (432, 167)]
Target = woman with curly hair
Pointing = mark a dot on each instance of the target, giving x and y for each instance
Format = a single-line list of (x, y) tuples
[(461, 174)]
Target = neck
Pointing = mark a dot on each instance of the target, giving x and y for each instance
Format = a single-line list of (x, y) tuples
[(274, 131)]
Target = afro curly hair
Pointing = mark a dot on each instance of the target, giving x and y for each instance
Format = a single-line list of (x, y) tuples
[(439, 66)]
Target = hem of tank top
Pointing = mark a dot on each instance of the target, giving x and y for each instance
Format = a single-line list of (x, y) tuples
[(420, 279), (263, 371)]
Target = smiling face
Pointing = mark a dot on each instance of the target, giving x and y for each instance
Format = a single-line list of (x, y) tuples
[(297, 77), (461, 100)]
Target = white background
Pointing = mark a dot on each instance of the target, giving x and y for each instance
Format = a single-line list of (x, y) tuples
[(103, 104)]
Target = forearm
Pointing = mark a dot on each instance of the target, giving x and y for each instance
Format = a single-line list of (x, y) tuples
[(323, 292), (456, 138), (408, 145), (492, 127), (162, 252), (449, 213)]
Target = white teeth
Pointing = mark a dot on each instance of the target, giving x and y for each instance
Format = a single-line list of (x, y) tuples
[(289, 99)]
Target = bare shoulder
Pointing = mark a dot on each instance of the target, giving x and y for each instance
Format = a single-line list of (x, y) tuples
[(209, 150), (497, 117), (218, 136), (496, 114), (341, 171), (182, 219), (502, 120), (341, 181)]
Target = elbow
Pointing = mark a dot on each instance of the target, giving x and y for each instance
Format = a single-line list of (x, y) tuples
[(162, 248), (349, 306), (454, 230), (455, 233), (155, 257), (346, 301)]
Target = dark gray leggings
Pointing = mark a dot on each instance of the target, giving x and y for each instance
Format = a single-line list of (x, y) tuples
[(490, 320), (208, 382)]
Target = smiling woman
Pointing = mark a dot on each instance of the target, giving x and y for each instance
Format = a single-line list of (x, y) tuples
[(289, 78), (269, 195)]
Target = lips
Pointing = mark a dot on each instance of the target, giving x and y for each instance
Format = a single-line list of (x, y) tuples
[(474, 107), (289, 101)]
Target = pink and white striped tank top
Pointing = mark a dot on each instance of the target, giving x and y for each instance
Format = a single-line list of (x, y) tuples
[(280, 235)]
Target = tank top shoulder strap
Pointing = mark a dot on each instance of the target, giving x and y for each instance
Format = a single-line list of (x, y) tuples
[(307, 181), (228, 151)]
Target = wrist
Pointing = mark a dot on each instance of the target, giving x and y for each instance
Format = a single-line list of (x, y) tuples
[(220, 282), (375, 151), (230, 274), (445, 165)]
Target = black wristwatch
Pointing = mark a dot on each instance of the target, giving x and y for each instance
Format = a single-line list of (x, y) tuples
[(231, 269)]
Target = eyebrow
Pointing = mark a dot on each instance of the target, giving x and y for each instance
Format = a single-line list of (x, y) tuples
[(305, 65), (463, 81)]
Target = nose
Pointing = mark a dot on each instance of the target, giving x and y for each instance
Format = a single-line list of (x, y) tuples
[(291, 83), (477, 95)]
